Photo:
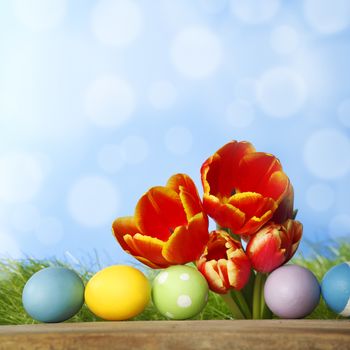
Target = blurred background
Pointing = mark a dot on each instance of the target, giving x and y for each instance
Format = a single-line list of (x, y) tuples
[(102, 99)]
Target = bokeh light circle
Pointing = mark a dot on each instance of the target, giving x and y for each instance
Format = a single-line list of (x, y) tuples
[(281, 92), (93, 201), (109, 102), (320, 197), (254, 11), (196, 52), (178, 140), (339, 226), (240, 113), (326, 154), (9, 246), (110, 158), (344, 112), (21, 177), (39, 15), (162, 94), (116, 22), (284, 39), (327, 16)]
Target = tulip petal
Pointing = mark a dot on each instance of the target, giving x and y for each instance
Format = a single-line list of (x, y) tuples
[(183, 185), (147, 247), (226, 215), (254, 224), (187, 242), (158, 212), (124, 226), (220, 172), (210, 271)]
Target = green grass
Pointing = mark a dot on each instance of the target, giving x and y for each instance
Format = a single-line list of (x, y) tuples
[(15, 273)]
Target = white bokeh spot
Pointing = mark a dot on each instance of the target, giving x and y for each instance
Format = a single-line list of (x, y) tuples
[(49, 231), (21, 177), (184, 301), (39, 15), (109, 102), (184, 277), (93, 201), (240, 114), (162, 94), (110, 158), (116, 22), (339, 226), (134, 149), (178, 140), (196, 52), (326, 154), (8, 247), (281, 92), (327, 16), (25, 217), (344, 112), (254, 11), (284, 39), (163, 276), (320, 197)]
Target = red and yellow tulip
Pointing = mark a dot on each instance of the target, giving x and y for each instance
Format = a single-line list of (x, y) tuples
[(242, 188), (224, 263), (169, 226), (274, 245)]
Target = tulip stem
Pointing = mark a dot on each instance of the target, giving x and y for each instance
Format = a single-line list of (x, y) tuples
[(258, 301), (233, 307), (241, 301)]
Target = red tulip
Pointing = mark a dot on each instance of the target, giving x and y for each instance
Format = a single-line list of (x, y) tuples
[(274, 245), (224, 263), (242, 188), (169, 226)]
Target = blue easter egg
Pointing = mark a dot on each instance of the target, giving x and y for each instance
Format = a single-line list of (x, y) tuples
[(336, 289), (53, 294)]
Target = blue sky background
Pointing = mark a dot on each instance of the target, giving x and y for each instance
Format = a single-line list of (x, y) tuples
[(100, 100)]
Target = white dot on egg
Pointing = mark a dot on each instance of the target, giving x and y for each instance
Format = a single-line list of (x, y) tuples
[(344, 112), (339, 226), (196, 52), (240, 114), (327, 16), (49, 231), (110, 158), (40, 15), (162, 277), (326, 154), (320, 197), (21, 177), (281, 92), (178, 140), (134, 149), (116, 22), (93, 201), (184, 301), (184, 277), (162, 94), (9, 246), (284, 39), (254, 11), (109, 102), (25, 217)]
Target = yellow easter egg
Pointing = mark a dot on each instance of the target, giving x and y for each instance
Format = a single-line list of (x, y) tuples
[(117, 293)]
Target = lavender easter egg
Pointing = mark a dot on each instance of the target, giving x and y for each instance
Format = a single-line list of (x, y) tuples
[(336, 289), (292, 291)]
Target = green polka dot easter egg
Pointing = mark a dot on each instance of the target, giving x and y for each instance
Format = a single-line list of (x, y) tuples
[(180, 292)]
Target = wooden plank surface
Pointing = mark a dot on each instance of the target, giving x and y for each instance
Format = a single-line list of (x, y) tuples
[(180, 335)]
